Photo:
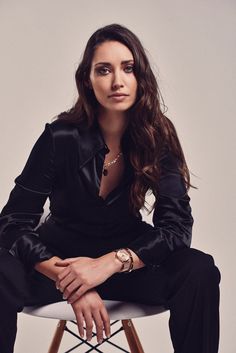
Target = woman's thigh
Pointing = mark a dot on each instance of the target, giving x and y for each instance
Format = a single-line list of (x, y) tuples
[(134, 286), (138, 286), (42, 290), (157, 287), (143, 285)]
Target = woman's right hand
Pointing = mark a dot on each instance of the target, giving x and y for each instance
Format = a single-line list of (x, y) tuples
[(90, 307)]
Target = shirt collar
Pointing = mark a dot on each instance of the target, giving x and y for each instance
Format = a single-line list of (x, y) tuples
[(91, 142)]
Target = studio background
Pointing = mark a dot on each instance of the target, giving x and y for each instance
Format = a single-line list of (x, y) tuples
[(191, 46)]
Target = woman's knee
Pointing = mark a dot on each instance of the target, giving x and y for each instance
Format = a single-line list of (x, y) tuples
[(190, 261), (203, 267)]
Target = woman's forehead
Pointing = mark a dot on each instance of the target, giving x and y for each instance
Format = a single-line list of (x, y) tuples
[(112, 51)]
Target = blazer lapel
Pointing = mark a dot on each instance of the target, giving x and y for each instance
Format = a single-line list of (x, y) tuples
[(92, 150)]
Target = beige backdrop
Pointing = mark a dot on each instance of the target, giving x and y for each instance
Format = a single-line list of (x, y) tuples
[(191, 45)]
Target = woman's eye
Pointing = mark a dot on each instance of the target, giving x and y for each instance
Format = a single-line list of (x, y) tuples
[(102, 70), (129, 67)]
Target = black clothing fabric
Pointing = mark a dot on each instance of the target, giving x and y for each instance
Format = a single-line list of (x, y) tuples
[(65, 165), (187, 284)]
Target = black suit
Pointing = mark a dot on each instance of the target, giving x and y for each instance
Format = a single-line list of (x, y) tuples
[(65, 165)]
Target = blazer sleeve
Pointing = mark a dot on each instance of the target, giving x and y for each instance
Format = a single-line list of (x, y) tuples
[(172, 217), (20, 216)]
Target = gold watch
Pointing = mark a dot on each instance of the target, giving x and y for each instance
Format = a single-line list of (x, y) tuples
[(125, 257)]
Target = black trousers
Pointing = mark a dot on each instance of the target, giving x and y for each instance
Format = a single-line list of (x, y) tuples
[(187, 283)]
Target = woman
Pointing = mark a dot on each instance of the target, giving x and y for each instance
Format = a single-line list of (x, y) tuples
[(95, 163)]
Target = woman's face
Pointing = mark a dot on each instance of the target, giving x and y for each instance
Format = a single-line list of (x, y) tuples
[(112, 73)]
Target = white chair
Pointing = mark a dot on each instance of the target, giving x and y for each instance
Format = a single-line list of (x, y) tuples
[(117, 310)]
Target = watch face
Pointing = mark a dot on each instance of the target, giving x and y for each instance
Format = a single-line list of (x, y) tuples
[(123, 255)]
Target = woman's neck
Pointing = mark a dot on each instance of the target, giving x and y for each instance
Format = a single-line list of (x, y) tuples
[(113, 126)]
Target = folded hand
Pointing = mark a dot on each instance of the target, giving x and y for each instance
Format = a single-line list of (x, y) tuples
[(80, 275)]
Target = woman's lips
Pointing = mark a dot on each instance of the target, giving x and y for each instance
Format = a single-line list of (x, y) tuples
[(118, 94), (118, 98)]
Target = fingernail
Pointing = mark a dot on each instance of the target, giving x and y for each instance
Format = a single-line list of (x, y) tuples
[(100, 341)]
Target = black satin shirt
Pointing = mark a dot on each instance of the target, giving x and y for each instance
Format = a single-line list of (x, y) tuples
[(65, 165)]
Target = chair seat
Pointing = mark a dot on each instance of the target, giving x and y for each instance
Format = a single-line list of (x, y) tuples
[(117, 310)]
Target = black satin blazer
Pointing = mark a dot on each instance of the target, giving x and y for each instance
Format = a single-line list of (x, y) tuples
[(65, 165)]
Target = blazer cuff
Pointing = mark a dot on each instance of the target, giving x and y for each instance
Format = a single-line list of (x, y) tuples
[(30, 250)]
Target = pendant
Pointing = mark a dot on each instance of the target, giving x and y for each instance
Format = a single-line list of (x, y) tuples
[(105, 171)]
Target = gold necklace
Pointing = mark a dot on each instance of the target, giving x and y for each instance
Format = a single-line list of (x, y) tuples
[(105, 171)]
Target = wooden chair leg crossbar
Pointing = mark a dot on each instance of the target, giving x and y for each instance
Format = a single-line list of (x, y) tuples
[(119, 312), (127, 326)]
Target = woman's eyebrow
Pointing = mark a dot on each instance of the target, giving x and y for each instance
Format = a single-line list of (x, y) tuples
[(109, 64)]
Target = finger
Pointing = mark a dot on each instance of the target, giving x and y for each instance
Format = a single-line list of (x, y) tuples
[(80, 323), (57, 281), (62, 264), (63, 274), (71, 288), (77, 294), (89, 324), (106, 321), (99, 325), (69, 260), (66, 282)]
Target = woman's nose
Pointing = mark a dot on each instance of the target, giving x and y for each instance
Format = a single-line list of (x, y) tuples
[(117, 82), (117, 85)]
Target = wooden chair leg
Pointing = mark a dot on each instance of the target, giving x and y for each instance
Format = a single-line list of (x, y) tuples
[(132, 336), (56, 341)]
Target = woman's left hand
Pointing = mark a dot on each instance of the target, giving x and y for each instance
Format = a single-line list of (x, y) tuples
[(80, 275)]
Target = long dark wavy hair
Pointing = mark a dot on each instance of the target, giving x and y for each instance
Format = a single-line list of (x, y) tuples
[(149, 129)]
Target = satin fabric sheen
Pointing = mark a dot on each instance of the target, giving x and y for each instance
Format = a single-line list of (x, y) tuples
[(65, 165)]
